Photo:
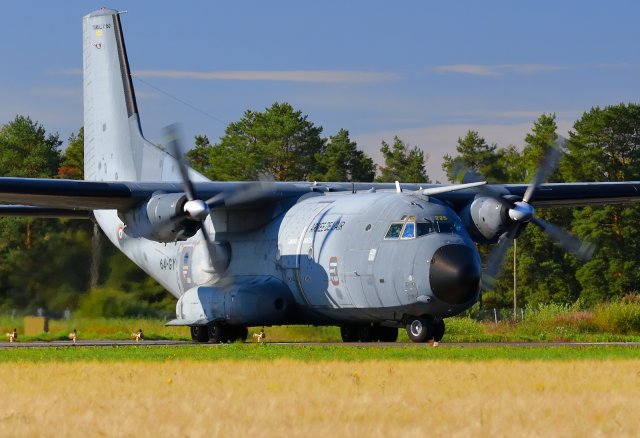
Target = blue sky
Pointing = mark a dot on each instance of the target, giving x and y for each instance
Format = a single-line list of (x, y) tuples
[(426, 71)]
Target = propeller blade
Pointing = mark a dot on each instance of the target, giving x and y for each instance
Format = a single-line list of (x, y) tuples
[(210, 247), (172, 135), (219, 252), (496, 258), (583, 250), (545, 169), (247, 192)]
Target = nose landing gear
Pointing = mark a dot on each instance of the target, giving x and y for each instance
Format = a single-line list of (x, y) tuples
[(425, 328)]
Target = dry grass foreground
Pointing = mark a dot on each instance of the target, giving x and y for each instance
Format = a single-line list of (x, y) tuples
[(293, 398)]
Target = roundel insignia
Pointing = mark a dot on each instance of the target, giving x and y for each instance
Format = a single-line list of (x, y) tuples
[(120, 232), (333, 271)]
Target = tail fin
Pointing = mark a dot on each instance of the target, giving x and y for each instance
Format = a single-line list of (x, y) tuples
[(114, 147)]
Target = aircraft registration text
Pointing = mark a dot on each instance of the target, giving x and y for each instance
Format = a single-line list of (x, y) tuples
[(167, 263), (320, 227)]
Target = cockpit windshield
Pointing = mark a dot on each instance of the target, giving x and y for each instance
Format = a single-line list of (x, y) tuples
[(394, 230), (410, 228), (445, 226), (425, 228)]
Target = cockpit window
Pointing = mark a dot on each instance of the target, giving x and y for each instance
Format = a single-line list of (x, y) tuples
[(424, 228), (394, 231), (445, 227), (409, 230)]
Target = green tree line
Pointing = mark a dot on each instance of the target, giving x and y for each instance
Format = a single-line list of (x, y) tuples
[(57, 264)]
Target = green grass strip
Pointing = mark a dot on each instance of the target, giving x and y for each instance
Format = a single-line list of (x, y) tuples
[(267, 352)]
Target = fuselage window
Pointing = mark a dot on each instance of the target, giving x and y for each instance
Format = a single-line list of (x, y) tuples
[(409, 230), (394, 231), (424, 228)]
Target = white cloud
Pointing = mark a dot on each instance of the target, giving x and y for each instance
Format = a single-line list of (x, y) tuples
[(314, 76), (496, 70)]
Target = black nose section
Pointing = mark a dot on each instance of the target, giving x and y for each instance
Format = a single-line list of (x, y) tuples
[(455, 274)]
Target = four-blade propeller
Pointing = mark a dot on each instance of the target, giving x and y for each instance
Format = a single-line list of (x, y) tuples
[(522, 212), (195, 208)]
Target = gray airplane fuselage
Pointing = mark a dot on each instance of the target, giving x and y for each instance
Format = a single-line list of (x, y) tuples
[(363, 257)]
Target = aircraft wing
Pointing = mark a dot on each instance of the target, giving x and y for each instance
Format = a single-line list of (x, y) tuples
[(76, 198), (40, 197), (557, 194)]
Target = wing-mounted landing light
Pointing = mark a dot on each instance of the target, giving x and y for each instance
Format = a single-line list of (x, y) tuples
[(522, 212)]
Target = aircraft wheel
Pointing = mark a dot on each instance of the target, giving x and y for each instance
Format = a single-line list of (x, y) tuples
[(420, 329), (199, 333), (438, 330), (366, 333), (349, 333), (387, 334), (219, 334), (243, 333)]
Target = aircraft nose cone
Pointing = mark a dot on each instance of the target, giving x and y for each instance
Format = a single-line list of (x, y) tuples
[(454, 274)]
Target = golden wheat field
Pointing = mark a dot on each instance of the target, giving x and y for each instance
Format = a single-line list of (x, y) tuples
[(293, 398)]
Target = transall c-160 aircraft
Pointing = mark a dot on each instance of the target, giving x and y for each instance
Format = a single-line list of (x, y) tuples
[(370, 258)]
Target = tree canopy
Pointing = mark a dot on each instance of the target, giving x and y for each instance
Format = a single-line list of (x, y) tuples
[(341, 160), (46, 263), (279, 142), (403, 163)]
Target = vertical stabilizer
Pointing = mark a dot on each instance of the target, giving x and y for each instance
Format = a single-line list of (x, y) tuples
[(115, 149)]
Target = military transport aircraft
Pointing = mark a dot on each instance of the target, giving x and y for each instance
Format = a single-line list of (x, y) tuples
[(367, 257)]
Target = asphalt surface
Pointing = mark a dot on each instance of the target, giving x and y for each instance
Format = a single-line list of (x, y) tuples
[(154, 343)]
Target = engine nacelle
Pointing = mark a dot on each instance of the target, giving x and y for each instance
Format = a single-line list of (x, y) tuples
[(486, 219), (152, 219)]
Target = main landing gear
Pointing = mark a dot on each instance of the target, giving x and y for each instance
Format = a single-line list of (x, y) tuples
[(219, 333), (368, 333), (425, 328)]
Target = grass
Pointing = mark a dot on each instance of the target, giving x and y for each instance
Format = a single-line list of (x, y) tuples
[(291, 398), (269, 352), (273, 390), (614, 322)]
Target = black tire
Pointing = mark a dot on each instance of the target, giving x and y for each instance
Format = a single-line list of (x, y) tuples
[(420, 329), (349, 333), (387, 334), (366, 333), (243, 334), (199, 333), (438, 330), (219, 334)]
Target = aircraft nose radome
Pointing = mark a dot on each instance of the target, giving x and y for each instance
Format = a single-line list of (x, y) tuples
[(454, 274)]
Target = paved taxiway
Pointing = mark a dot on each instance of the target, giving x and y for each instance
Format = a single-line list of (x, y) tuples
[(153, 343)]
